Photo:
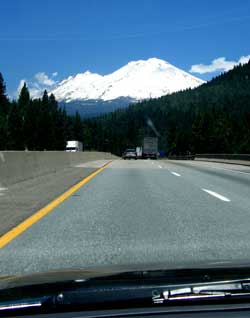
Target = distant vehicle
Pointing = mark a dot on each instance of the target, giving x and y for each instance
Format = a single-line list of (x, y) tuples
[(138, 152), (74, 146), (150, 148), (129, 154)]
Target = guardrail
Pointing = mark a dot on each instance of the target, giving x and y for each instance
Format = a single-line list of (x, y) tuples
[(211, 157), (188, 157), (224, 156)]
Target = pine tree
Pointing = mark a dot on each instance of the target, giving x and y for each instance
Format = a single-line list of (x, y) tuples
[(4, 103), (45, 98), (30, 126), (78, 128), (24, 99), (3, 133), (4, 109), (16, 141), (60, 129), (23, 103), (45, 124)]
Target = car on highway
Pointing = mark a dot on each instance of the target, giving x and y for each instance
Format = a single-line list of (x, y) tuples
[(129, 154)]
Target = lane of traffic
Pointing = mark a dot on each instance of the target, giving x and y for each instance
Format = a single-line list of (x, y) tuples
[(232, 185), (132, 213), (23, 199)]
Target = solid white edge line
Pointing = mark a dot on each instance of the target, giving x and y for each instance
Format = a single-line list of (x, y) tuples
[(217, 195), (175, 174)]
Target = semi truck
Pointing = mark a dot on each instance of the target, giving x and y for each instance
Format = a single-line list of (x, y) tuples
[(74, 146), (150, 148)]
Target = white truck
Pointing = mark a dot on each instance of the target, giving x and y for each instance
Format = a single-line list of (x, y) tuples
[(138, 152), (74, 146)]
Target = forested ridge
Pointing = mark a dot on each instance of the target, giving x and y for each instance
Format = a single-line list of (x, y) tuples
[(213, 118)]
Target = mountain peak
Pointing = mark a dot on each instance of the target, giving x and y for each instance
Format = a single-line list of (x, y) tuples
[(151, 60), (136, 80), (155, 60)]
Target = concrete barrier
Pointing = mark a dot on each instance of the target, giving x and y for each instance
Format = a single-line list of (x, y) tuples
[(16, 166)]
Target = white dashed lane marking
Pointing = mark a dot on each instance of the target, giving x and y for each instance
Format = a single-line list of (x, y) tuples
[(217, 195), (2, 191), (175, 174)]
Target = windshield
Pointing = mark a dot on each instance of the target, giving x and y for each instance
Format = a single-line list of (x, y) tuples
[(124, 135)]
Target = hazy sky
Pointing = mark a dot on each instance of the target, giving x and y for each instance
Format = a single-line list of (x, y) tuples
[(45, 41)]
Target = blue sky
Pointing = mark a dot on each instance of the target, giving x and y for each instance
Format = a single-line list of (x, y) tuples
[(42, 37)]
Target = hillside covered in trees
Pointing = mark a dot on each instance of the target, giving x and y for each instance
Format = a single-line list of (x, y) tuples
[(213, 118), (38, 124)]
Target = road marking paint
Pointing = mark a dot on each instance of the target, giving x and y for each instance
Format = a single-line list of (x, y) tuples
[(175, 174), (3, 189), (159, 166), (217, 195), (236, 171), (19, 229)]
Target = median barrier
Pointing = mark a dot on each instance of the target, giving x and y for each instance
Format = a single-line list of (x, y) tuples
[(16, 166)]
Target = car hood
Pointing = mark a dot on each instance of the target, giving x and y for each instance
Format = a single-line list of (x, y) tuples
[(57, 276)]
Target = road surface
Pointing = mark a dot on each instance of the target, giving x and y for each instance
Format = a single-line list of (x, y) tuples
[(142, 212), (19, 201)]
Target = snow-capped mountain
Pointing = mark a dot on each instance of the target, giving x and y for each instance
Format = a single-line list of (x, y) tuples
[(137, 80)]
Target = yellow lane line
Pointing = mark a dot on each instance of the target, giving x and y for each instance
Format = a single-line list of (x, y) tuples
[(19, 229)]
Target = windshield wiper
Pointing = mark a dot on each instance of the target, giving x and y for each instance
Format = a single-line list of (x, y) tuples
[(235, 289), (108, 293)]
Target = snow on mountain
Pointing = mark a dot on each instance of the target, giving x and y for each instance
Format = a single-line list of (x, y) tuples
[(137, 80)]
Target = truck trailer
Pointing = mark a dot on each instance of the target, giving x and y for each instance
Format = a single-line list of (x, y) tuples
[(150, 148)]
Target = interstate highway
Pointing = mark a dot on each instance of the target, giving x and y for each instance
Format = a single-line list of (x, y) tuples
[(142, 212)]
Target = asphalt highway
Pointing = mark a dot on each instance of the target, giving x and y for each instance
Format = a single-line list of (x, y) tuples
[(171, 213)]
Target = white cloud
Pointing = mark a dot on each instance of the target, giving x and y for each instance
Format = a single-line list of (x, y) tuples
[(43, 79), (219, 64), (40, 82), (35, 92)]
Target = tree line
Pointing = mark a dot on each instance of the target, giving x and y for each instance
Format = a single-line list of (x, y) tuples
[(35, 124), (213, 118)]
